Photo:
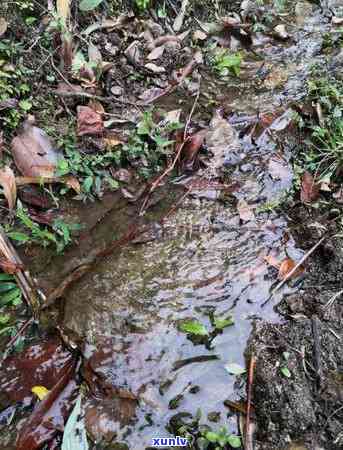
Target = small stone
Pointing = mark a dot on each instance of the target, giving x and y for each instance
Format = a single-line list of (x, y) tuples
[(122, 175), (337, 20), (199, 35), (154, 68), (116, 90), (281, 32)]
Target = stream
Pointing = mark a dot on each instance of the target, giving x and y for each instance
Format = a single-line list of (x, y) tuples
[(206, 260)]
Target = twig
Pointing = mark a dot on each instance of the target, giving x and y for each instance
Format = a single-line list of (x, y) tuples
[(295, 268), (316, 347), (247, 438), (95, 97), (13, 340), (171, 167), (332, 299), (28, 287)]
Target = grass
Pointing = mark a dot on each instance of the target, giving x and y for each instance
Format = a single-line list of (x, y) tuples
[(323, 154)]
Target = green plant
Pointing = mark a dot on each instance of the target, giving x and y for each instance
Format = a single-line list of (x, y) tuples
[(10, 296), (219, 439), (225, 62), (41, 235), (142, 4), (149, 145), (92, 170), (324, 150)]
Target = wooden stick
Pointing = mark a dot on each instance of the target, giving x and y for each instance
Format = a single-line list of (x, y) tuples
[(295, 268), (247, 438)]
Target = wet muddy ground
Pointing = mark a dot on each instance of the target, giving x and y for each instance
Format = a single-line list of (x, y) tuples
[(202, 256)]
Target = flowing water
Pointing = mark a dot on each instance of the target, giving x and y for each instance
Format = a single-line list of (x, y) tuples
[(205, 261)]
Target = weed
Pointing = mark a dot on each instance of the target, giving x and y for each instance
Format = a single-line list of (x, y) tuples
[(225, 62), (92, 170), (149, 145), (60, 237), (10, 297), (324, 152), (142, 4)]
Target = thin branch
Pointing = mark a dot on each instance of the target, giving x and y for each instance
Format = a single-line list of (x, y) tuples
[(295, 268), (247, 438)]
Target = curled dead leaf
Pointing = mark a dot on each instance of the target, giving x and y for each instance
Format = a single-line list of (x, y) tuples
[(33, 152), (285, 268), (89, 122), (309, 189), (245, 211), (3, 26), (9, 266), (7, 181), (191, 149)]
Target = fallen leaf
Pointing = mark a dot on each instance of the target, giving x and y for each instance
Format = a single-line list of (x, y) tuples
[(245, 211), (33, 152), (96, 106), (122, 175), (199, 35), (49, 415), (156, 53), (9, 266), (89, 122), (43, 217), (75, 435), (113, 140), (63, 9), (279, 169), (106, 23), (73, 183), (309, 189), (40, 391), (234, 369), (285, 372), (3, 26), (7, 181), (68, 87), (285, 268), (191, 149)]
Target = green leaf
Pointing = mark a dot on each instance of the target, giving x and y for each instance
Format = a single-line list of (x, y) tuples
[(4, 318), (234, 441), (89, 5), (13, 296), (5, 287), (75, 436), (87, 184), (211, 436), (222, 323), (285, 372), (17, 236), (234, 369), (194, 327), (25, 105), (6, 277)]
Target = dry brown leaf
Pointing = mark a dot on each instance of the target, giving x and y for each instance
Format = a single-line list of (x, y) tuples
[(33, 152), (89, 122), (191, 149), (286, 266), (7, 181), (73, 183), (63, 9), (9, 266), (96, 106), (3, 26), (272, 261), (113, 141), (245, 211), (156, 53), (309, 188)]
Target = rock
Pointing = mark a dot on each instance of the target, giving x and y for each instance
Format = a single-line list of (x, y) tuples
[(281, 32)]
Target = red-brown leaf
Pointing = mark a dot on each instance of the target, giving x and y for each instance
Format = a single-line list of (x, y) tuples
[(50, 414), (191, 148), (89, 122), (7, 181), (10, 267), (309, 189)]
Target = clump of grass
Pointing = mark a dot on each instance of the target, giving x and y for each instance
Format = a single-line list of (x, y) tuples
[(324, 152)]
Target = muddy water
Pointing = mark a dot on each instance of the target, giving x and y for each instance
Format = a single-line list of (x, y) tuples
[(205, 261)]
